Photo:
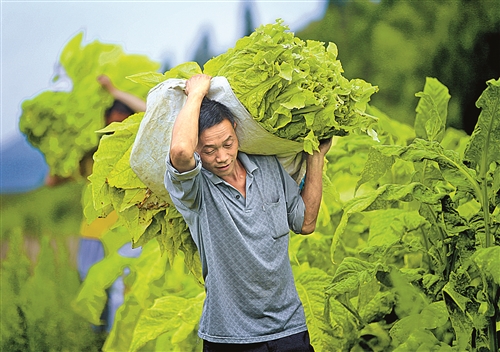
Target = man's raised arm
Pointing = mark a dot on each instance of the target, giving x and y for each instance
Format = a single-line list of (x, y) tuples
[(185, 130)]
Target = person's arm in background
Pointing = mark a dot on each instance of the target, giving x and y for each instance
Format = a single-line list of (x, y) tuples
[(313, 186), (132, 101), (185, 130)]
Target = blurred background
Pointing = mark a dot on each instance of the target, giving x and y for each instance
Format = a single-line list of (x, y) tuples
[(392, 44), (34, 34)]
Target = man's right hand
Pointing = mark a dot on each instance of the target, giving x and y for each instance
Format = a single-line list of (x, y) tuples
[(198, 84)]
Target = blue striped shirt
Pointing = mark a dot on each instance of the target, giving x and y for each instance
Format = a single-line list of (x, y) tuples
[(243, 245)]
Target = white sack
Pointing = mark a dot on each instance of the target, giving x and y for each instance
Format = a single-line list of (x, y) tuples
[(164, 103)]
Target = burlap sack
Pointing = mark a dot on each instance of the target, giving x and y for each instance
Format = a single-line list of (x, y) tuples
[(164, 102)]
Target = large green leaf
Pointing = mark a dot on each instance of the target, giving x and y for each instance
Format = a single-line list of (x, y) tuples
[(168, 313), (431, 317), (381, 198), (483, 146), (488, 261), (92, 297), (151, 79), (311, 286), (388, 226), (450, 163), (432, 110)]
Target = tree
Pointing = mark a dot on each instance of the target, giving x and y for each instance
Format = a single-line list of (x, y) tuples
[(396, 44)]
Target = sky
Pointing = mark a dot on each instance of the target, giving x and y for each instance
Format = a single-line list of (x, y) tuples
[(33, 34)]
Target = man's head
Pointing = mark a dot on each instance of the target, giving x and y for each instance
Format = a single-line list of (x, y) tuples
[(117, 112), (212, 113), (217, 140)]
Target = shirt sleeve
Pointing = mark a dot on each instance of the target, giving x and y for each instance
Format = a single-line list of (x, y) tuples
[(184, 187), (294, 202)]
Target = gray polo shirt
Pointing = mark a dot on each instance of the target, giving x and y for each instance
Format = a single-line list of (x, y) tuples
[(243, 244)]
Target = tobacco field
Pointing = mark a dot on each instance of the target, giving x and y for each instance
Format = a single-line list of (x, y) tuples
[(405, 256)]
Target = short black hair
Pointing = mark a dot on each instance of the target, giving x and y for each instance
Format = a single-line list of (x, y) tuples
[(212, 113), (119, 107)]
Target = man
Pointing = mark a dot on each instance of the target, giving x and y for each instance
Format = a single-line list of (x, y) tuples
[(240, 209)]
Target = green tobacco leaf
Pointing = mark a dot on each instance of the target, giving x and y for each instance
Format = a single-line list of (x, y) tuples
[(463, 330), (461, 322), (434, 315), (391, 131), (378, 307), (451, 166), (311, 288), (351, 273), (160, 318), (388, 226), (151, 79), (294, 88), (432, 110), (92, 296), (126, 317), (89, 211), (420, 340), (488, 261), (168, 313), (459, 300), (483, 146), (111, 168), (376, 166), (148, 268), (381, 198)]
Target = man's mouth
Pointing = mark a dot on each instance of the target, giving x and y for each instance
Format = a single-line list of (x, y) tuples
[(223, 168)]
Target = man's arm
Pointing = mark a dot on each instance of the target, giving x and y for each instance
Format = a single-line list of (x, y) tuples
[(185, 130), (133, 102), (313, 186)]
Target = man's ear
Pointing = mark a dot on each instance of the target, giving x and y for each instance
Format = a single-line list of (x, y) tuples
[(234, 125)]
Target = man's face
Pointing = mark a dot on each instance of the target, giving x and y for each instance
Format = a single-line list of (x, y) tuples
[(218, 149), (116, 116)]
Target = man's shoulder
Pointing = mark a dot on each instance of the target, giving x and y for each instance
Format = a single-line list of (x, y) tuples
[(259, 157), (258, 160)]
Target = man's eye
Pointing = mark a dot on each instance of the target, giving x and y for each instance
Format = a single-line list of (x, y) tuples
[(228, 145), (211, 151)]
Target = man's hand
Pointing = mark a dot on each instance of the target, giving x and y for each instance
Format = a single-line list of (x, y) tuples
[(105, 82), (324, 146), (132, 101), (198, 84)]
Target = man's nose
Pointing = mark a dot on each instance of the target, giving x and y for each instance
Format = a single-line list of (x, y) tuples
[(220, 156)]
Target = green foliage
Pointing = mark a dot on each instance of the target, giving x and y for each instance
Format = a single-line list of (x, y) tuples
[(334, 104), (181, 71), (394, 44), (63, 124), (56, 211), (424, 246), (115, 186), (162, 302), (294, 89), (404, 257), (35, 305)]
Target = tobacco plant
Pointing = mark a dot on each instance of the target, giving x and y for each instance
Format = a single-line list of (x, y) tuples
[(424, 274)]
